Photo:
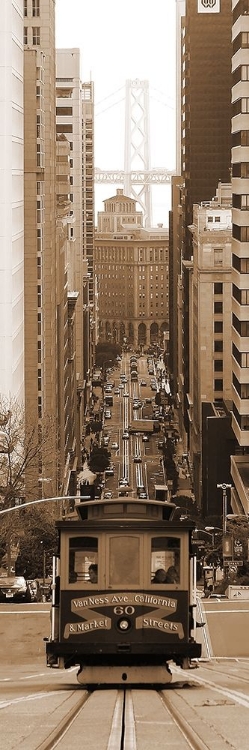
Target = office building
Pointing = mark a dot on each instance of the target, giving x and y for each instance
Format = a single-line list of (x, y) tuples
[(132, 269), (240, 253), (205, 138), (11, 202)]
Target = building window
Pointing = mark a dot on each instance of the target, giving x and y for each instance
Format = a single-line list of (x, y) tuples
[(218, 326), (218, 256), (64, 111), (36, 36), (218, 345), (25, 8), (244, 390), (218, 287), (35, 7), (244, 296), (218, 384), (218, 308), (25, 35), (64, 128), (245, 39), (218, 365)]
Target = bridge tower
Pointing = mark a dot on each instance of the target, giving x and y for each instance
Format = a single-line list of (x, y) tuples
[(137, 145)]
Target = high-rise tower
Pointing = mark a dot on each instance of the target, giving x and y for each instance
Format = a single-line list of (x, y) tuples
[(206, 125), (240, 250)]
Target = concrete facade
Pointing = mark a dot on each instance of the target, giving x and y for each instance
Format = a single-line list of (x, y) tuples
[(210, 362), (132, 269), (240, 252), (11, 201)]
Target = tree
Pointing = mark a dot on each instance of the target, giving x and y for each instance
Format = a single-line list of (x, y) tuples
[(38, 542), (99, 460), (24, 448)]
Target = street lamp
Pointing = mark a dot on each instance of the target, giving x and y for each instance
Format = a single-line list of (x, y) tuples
[(215, 530), (43, 563), (224, 487)]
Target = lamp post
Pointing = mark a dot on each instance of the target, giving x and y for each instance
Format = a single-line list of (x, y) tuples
[(215, 530), (43, 564), (224, 487)]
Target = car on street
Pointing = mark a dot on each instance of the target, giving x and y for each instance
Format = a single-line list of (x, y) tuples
[(137, 459), (123, 482), (145, 438), (116, 392), (109, 472), (114, 446), (126, 394), (107, 495), (125, 435), (143, 382), (108, 414), (14, 588)]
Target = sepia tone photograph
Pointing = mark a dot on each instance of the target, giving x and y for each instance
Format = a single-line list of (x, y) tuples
[(124, 374)]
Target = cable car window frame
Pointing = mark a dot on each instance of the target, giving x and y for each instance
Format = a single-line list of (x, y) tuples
[(124, 584), (183, 552), (65, 561)]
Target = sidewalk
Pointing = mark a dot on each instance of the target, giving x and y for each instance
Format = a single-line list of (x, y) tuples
[(185, 481)]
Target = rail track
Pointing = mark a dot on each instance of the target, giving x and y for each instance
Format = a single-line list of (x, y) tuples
[(146, 719), (207, 709)]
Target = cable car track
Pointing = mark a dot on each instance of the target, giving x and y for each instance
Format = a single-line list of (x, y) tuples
[(124, 719)]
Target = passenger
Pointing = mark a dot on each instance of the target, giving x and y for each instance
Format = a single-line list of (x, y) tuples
[(93, 573), (172, 575), (160, 576)]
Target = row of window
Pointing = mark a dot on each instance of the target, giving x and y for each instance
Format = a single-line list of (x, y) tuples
[(125, 564), (31, 7), (32, 36)]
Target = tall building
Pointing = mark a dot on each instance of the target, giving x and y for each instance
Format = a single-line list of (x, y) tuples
[(88, 227), (240, 252), (69, 124), (50, 379), (206, 101), (132, 267), (11, 201), (205, 129), (209, 320)]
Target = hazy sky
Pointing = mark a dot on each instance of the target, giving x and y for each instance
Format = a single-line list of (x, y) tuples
[(135, 39)]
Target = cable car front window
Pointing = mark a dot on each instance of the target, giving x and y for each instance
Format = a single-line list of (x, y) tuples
[(124, 556), (83, 560), (165, 560)]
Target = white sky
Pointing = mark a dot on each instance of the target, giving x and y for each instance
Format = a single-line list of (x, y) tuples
[(121, 41)]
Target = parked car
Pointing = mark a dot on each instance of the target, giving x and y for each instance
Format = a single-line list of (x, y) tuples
[(108, 414), (107, 495), (137, 459), (109, 472), (114, 446), (125, 435), (145, 438), (123, 482), (14, 588)]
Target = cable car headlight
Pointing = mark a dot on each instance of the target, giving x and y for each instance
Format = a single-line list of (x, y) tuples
[(124, 624)]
